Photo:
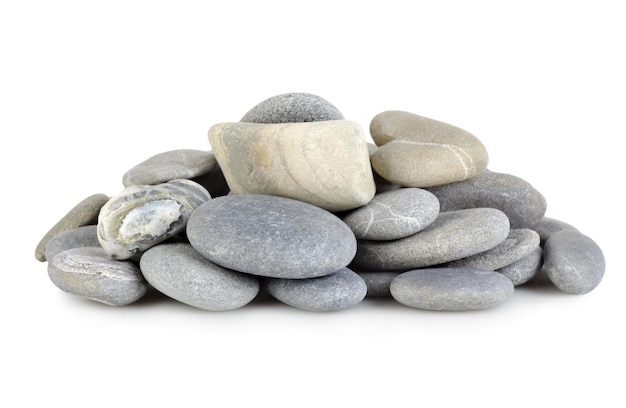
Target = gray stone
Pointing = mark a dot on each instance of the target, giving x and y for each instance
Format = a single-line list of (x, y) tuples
[(337, 291), (171, 165), (86, 236), (92, 274), (378, 283), (573, 262), (415, 151), (84, 213), (451, 289), (322, 163), (293, 107), (394, 214), (144, 215), (180, 272), (519, 200), (525, 269), (548, 226), (519, 244), (453, 235), (271, 236)]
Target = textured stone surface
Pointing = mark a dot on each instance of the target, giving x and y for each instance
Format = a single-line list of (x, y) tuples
[(322, 163), (573, 262), (382, 185), (525, 269), (180, 272), (517, 245), (394, 214), (293, 107), (171, 165), (548, 226), (142, 216), (415, 151), (451, 289), (453, 235), (271, 236), (86, 236), (519, 200), (378, 283), (84, 213), (92, 274), (337, 291)]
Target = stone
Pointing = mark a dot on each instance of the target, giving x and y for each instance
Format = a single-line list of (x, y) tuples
[(322, 163), (520, 201), (382, 185), (180, 272), (271, 236), (92, 274), (451, 289), (525, 269), (548, 226), (292, 107), (378, 283), (519, 244), (83, 213), (170, 165), (333, 292), (415, 151), (394, 214), (142, 216), (453, 235), (573, 261), (85, 236)]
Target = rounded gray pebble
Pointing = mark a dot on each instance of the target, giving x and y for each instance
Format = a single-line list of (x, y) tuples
[(548, 226), (292, 107), (378, 283), (86, 236), (180, 272), (92, 274), (337, 291), (451, 289), (525, 269)]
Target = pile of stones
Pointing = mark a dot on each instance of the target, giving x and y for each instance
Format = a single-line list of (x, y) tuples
[(293, 203)]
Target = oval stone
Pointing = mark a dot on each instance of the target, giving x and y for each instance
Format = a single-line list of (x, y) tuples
[(520, 201), (378, 283), (337, 291), (548, 226), (394, 214), (271, 236), (180, 272), (292, 107), (92, 274), (451, 289), (81, 237), (453, 235), (415, 151), (525, 269), (573, 262)]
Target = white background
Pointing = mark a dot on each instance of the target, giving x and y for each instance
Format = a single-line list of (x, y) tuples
[(89, 89)]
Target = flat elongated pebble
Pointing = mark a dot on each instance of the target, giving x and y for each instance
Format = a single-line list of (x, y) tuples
[(80, 237), (517, 245), (548, 226), (378, 283), (271, 236), (525, 269), (453, 235), (520, 201), (171, 165), (451, 289), (394, 214), (84, 213), (144, 215), (415, 151), (573, 262), (293, 107), (337, 291), (92, 274), (180, 272), (322, 163)]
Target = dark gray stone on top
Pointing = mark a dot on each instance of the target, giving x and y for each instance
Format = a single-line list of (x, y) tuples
[(292, 107)]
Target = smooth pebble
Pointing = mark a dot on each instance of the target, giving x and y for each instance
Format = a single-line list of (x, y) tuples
[(292, 107), (86, 236), (525, 269), (378, 283), (548, 226)]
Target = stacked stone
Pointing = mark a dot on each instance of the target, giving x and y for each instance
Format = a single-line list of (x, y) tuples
[(294, 203)]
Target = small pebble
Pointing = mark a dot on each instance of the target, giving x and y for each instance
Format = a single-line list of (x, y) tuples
[(292, 107), (378, 283), (548, 226), (86, 236), (525, 269)]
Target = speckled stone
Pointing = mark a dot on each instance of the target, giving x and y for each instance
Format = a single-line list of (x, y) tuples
[(322, 163), (573, 262), (548, 226), (171, 165), (180, 272), (378, 283), (520, 201), (415, 151), (92, 274), (84, 213), (453, 235), (144, 215), (293, 107), (394, 214), (86, 236), (271, 236), (451, 289), (525, 269), (337, 291)]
